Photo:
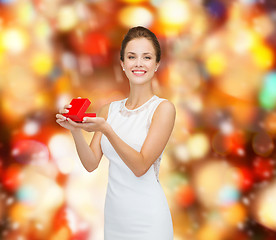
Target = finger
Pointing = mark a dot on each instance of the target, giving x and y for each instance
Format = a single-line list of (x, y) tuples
[(72, 122), (63, 111), (59, 116), (88, 120)]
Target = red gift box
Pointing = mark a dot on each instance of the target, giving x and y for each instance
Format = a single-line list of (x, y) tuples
[(77, 111)]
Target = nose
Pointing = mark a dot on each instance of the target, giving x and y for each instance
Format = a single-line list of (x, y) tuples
[(139, 62)]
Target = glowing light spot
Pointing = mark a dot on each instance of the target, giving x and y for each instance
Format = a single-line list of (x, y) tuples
[(198, 145), (42, 63), (31, 128), (262, 56), (25, 12), (132, 16), (234, 214), (174, 13), (15, 41), (210, 178), (248, 2), (216, 64), (228, 195), (67, 18), (267, 96), (266, 207), (63, 150)]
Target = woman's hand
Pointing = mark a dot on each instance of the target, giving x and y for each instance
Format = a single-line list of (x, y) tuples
[(92, 124), (89, 124), (63, 121)]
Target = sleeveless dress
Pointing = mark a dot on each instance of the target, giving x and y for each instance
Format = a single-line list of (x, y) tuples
[(135, 208)]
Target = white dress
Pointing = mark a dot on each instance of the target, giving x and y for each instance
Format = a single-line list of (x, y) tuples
[(135, 208)]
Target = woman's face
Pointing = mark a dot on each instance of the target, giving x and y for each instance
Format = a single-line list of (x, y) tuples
[(139, 60)]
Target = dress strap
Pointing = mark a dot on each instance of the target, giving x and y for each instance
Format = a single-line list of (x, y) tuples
[(154, 106)]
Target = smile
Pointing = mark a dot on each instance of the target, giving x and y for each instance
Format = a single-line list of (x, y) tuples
[(139, 73)]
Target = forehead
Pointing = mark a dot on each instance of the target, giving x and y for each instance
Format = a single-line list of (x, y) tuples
[(139, 45)]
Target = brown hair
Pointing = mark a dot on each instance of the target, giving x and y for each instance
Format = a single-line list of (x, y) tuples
[(140, 32)]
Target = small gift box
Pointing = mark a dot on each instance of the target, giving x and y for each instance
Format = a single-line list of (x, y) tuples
[(77, 111)]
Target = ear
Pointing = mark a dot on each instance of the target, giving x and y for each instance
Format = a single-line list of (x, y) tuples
[(122, 63), (157, 65)]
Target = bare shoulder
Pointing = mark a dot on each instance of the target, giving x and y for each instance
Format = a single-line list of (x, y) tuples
[(165, 108)]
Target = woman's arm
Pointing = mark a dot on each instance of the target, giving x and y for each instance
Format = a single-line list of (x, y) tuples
[(90, 155), (158, 135)]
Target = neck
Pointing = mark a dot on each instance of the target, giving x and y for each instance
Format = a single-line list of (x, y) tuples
[(137, 98)]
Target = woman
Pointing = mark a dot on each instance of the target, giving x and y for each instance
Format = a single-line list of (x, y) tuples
[(132, 133)]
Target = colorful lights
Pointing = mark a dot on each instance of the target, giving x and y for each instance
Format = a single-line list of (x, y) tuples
[(51, 51)]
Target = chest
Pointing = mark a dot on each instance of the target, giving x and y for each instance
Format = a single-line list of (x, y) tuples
[(131, 129)]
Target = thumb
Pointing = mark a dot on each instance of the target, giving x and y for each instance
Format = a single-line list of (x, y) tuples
[(87, 119)]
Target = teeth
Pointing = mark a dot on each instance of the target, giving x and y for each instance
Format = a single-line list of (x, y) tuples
[(138, 71)]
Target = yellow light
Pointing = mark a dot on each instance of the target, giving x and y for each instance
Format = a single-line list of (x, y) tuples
[(266, 207), (25, 12), (216, 64), (262, 56), (174, 13), (210, 231), (20, 213), (132, 16), (67, 18), (42, 63), (198, 145), (15, 41), (234, 214)]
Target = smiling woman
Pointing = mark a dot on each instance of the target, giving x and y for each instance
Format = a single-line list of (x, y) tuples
[(128, 133), (140, 61)]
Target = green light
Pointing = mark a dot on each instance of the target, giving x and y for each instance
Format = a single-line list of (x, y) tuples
[(267, 97)]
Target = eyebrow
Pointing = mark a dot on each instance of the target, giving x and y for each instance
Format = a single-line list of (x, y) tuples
[(143, 53)]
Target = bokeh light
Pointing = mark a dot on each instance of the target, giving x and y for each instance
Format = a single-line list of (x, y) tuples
[(266, 206), (59, 146), (131, 16), (218, 69), (15, 40), (211, 179)]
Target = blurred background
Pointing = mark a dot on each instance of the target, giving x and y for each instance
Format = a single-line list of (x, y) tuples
[(218, 67)]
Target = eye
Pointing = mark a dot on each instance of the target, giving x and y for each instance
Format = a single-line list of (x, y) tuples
[(130, 57), (148, 57)]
